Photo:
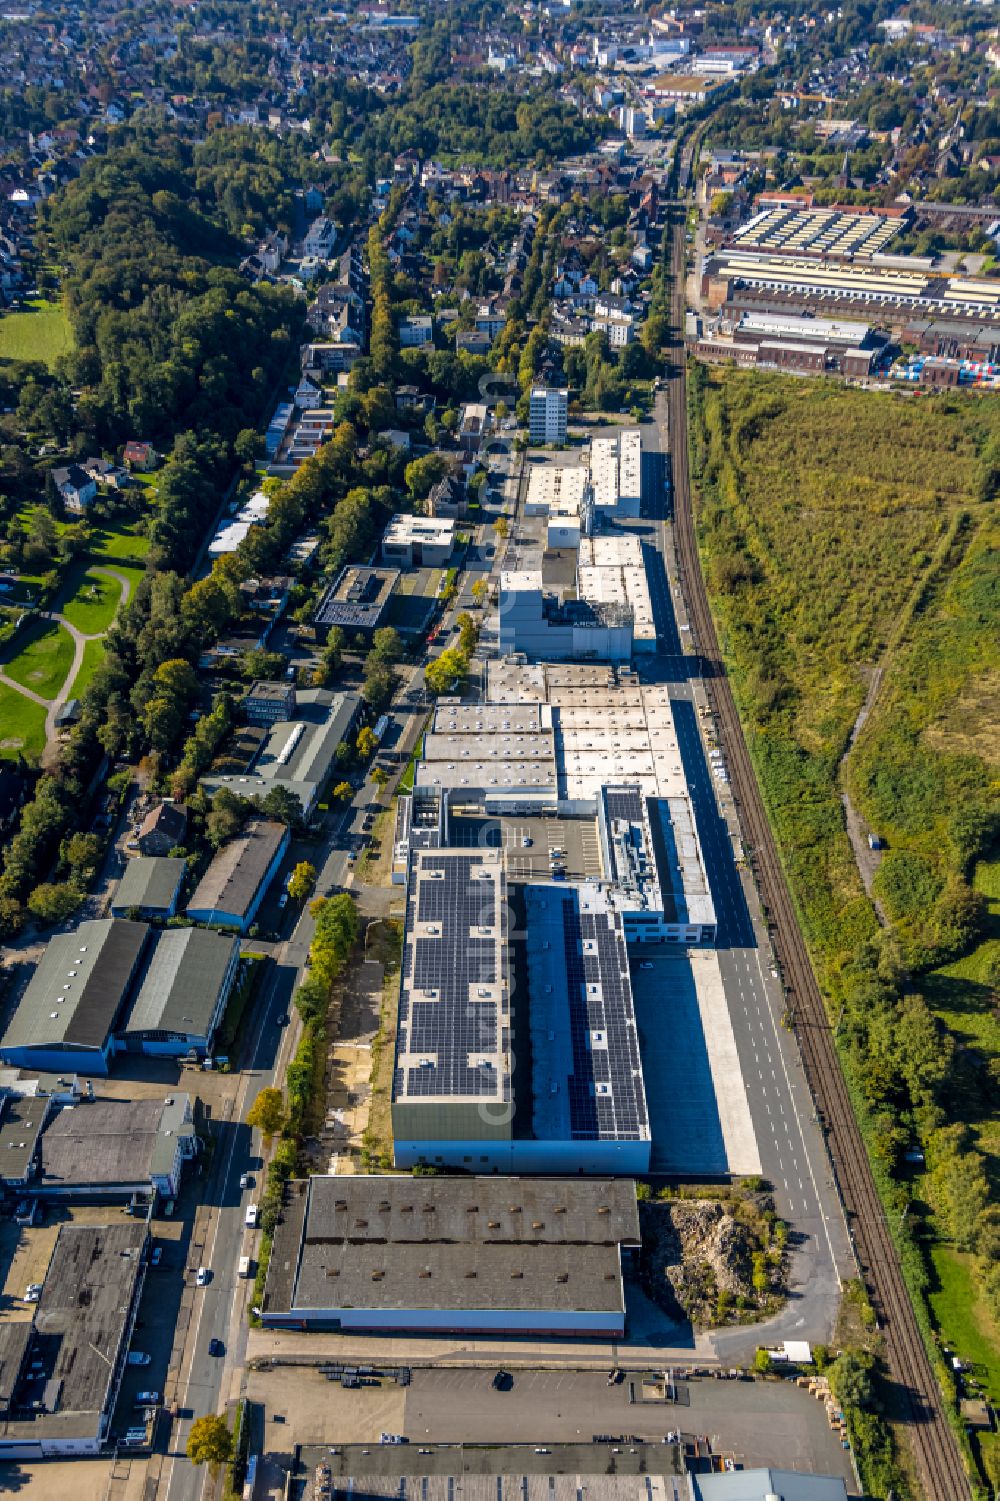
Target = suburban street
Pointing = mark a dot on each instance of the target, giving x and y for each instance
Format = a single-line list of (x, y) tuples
[(207, 1382)]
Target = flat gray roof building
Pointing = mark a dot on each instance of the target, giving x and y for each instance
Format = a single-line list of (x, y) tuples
[(108, 1149), (460, 1254), (150, 886), (234, 884), (14, 1342), (503, 1472), (500, 755), (765, 1485), (68, 1013), (21, 1121), (81, 1329)]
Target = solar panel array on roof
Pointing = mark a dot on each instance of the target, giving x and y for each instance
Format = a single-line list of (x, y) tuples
[(831, 230), (357, 598), (452, 1002), (587, 1072)]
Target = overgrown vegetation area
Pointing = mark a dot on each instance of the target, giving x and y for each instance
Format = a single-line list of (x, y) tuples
[(844, 530), (713, 1256), (376, 1145), (335, 935)]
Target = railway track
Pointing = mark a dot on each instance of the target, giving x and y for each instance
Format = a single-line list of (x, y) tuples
[(934, 1447)]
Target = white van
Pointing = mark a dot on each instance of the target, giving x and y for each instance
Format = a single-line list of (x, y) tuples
[(251, 1216), (244, 1267)]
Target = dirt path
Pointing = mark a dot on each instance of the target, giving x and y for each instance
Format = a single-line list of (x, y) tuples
[(36, 698), (79, 643), (866, 859)]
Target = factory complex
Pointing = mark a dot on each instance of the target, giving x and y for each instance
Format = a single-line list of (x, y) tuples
[(562, 1023), (550, 841), (827, 269), (577, 590)]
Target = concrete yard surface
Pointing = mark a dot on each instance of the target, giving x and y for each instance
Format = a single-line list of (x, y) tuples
[(699, 1116), (56, 1479), (306, 1404), (755, 1422)]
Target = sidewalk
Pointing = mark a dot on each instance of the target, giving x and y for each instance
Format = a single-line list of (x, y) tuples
[(289, 1347)]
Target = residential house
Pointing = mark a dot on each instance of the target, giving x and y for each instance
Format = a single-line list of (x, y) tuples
[(104, 472), (268, 595), (473, 426), (323, 359), (164, 828), (140, 456), (320, 239), (416, 331), (447, 497), (491, 318), (412, 399), (472, 341), (308, 395), (75, 486)]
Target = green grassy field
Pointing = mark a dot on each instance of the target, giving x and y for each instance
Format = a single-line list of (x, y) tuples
[(148, 481), (114, 540), (843, 530), (22, 725), (92, 602), (44, 657), (23, 516), (93, 656), (956, 1305), (40, 332), (967, 1330)]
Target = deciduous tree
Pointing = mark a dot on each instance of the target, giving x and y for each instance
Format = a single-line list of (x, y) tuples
[(210, 1441), (267, 1113), (302, 881)]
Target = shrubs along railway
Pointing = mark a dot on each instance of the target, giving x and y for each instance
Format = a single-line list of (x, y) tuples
[(934, 1445)]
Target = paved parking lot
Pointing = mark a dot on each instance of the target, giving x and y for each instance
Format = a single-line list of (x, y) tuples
[(694, 1088), (55, 1480), (25, 1253), (26, 1250), (759, 1423), (529, 841)]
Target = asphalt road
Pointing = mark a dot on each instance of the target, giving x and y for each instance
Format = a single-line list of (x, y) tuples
[(220, 1306), (221, 1311), (792, 1154)]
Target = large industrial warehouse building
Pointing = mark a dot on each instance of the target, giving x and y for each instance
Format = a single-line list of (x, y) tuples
[(466, 1093), (458, 1255)]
